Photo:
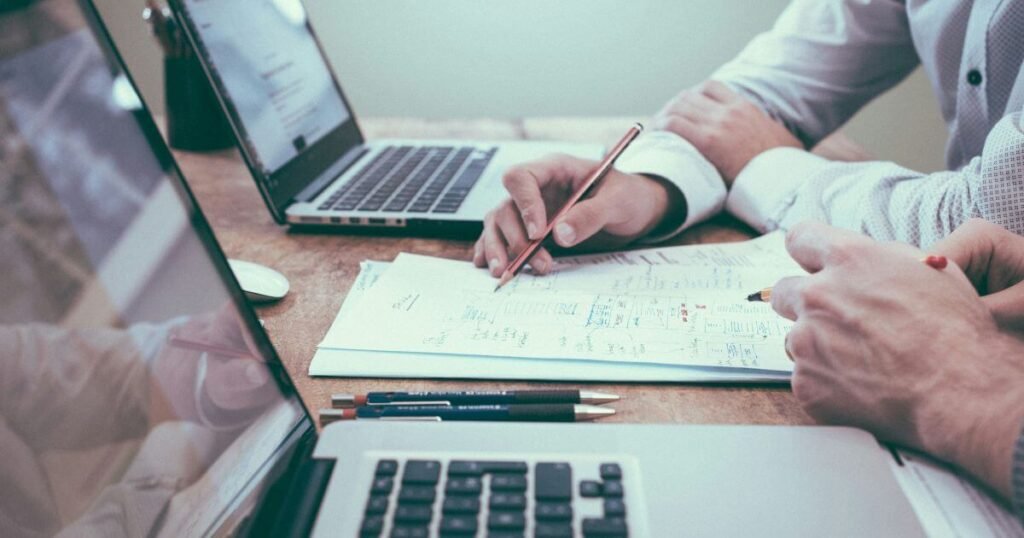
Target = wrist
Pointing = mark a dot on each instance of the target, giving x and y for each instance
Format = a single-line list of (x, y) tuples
[(669, 205), (976, 423)]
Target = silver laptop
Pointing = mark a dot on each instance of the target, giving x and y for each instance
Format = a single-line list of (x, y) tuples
[(303, 145), (141, 397)]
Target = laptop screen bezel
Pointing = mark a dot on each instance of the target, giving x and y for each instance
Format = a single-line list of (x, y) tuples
[(285, 452), (303, 169)]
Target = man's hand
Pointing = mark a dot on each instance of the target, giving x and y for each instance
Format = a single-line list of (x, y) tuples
[(726, 128), (993, 258), (908, 352), (622, 208)]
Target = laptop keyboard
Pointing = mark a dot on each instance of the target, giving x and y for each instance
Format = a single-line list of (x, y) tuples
[(433, 179), (490, 498)]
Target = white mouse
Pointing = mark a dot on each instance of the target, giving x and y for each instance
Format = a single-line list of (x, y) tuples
[(261, 284)]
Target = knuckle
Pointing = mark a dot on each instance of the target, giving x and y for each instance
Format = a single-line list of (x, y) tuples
[(815, 295), (801, 342)]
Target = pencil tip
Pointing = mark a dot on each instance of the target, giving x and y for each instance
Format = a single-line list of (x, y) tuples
[(754, 297), (496, 288)]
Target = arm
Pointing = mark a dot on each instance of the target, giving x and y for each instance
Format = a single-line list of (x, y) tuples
[(908, 352), (784, 186), (822, 61)]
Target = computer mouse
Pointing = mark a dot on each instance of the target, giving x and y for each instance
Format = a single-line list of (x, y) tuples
[(260, 283)]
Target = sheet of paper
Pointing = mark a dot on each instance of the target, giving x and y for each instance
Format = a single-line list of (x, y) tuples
[(950, 505), (361, 363), (674, 306)]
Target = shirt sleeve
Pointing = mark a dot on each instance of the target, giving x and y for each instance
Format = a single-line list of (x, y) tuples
[(783, 186), (822, 61), (668, 156)]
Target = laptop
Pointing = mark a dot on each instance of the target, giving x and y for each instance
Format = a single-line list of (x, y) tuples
[(300, 138), (139, 395)]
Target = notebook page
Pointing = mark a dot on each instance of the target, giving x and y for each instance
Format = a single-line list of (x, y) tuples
[(675, 306)]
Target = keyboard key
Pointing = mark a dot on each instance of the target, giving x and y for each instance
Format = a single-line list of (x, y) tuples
[(477, 468), (421, 472), (382, 486), (504, 534), (372, 526), (506, 521), (508, 482), (590, 488), (604, 527), (377, 505), (410, 532), (553, 512), (469, 485), (458, 525), (614, 508), (416, 495), (612, 488), (507, 501), (386, 468), (611, 471), (553, 530), (414, 513), (553, 482), (460, 505)]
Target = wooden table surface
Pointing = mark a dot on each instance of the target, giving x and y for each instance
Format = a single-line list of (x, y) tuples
[(322, 267)]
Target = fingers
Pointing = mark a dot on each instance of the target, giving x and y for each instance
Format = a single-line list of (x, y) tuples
[(503, 238), (1007, 307), (584, 220), (495, 250), (524, 184), (814, 244), (786, 294)]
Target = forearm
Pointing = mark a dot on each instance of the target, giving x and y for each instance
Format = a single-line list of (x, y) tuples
[(782, 187), (822, 61)]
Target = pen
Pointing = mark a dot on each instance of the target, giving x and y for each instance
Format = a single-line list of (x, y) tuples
[(602, 169), (468, 397), (501, 413), (204, 347), (765, 295)]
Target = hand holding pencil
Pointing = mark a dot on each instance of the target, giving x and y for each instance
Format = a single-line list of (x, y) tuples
[(619, 209)]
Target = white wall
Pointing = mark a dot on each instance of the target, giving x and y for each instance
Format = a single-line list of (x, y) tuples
[(510, 58)]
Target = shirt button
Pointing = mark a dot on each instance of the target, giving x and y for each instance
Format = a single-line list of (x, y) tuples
[(974, 77)]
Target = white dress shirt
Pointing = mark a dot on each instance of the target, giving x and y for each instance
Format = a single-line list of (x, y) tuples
[(825, 59)]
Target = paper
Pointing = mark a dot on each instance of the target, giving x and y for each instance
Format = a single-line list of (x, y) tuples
[(680, 306), (948, 505)]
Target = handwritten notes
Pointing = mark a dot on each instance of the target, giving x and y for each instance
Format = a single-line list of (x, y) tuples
[(675, 306)]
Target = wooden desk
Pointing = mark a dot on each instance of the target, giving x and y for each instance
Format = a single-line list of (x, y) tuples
[(322, 267)]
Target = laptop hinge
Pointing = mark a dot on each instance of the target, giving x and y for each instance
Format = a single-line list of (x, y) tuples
[(290, 506), (326, 179)]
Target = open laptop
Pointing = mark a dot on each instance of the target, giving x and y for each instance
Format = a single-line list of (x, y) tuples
[(139, 395), (302, 143)]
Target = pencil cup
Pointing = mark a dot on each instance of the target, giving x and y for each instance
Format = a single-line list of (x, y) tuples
[(195, 121)]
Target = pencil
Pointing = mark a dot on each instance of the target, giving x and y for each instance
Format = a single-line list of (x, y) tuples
[(595, 176), (205, 347), (765, 295)]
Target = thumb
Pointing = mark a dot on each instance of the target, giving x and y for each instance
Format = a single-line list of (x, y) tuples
[(582, 221)]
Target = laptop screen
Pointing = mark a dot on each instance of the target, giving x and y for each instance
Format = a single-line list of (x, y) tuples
[(276, 86), (138, 395)]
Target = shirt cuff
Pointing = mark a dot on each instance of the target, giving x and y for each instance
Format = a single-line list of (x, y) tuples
[(669, 156), (767, 187)]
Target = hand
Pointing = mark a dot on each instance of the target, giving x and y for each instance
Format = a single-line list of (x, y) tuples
[(908, 352), (726, 128), (621, 208), (993, 259), (217, 391)]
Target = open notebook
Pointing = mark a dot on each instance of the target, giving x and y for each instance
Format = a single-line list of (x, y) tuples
[(665, 314)]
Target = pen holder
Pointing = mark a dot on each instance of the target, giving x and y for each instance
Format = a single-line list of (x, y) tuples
[(195, 121)]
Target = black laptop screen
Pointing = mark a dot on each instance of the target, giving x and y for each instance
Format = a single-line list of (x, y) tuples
[(138, 396), (277, 88)]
